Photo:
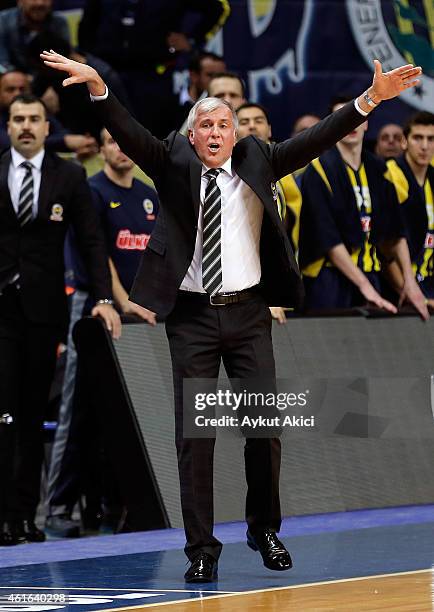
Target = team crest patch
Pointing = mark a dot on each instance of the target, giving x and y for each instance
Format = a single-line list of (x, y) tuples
[(397, 32), (148, 205), (274, 192), (56, 212), (429, 241), (366, 224)]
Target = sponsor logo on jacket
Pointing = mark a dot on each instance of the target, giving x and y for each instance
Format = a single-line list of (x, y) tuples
[(133, 242)]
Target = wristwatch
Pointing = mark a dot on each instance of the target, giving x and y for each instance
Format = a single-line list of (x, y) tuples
[(369, 101)]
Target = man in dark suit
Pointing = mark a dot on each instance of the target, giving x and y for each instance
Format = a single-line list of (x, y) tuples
[(217, 256), (40, 197)]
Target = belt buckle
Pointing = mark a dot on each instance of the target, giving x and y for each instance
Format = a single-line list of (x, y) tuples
[(214, 303)]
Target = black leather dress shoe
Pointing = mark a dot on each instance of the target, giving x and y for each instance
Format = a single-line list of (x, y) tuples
[(273, 552), (203, 568), (31, 532)]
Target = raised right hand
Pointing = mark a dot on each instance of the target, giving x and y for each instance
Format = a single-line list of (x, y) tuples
[(78, 73)]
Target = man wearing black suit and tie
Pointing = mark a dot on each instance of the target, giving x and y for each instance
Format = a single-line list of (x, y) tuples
[(40, 197), (217, 257)]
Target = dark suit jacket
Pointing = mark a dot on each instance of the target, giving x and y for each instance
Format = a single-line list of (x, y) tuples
[(36, 250), (176, 170)]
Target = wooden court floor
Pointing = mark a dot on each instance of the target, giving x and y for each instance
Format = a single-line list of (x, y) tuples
[(403, 592)]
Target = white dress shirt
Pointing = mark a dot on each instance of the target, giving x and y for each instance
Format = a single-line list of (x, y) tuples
[(17, 173), (241, 221)]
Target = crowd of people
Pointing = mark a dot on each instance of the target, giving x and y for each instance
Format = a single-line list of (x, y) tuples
[(360, 222)]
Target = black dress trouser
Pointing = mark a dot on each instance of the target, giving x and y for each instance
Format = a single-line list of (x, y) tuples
[(27, 364), (200, 336)]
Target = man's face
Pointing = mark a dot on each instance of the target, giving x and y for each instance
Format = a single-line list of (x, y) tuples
[(355, 137), (389, 141), (112, 154), (208, 68), (12, 84), (227, 89), (213, 136), (303, 123), (419, 144), (27, 128), (253, 121), (35, 10)]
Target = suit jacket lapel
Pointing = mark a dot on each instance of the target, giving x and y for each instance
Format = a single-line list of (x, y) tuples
[(5, 196), (47, 182), (195, 181), (255, 181)]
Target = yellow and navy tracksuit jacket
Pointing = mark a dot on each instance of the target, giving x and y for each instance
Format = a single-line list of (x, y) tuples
[(341, 206), (417, 207), (289, 205)]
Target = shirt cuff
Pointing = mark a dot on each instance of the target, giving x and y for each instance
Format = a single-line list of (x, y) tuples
[(104, 96), (356, 105)]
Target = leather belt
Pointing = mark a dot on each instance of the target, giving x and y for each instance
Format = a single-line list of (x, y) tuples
[(221, 299)]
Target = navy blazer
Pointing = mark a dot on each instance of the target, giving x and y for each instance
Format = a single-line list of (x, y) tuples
[(176, 170)]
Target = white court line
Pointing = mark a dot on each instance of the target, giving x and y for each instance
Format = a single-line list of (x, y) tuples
[(293, 586), (70, 588)]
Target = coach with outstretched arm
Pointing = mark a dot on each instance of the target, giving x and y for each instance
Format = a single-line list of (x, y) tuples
[(217, 257)]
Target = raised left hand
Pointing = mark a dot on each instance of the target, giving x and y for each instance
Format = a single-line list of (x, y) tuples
[(386, 85)]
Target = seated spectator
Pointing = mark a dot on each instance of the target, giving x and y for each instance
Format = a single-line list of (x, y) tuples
[(20, 24), (14, 83), (202, 67), (389, 141), (128, 210), (228, 86), (413, 178), (304, 122), (350, 220)]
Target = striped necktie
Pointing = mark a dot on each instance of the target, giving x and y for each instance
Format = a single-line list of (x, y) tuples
[(25, 202), (212, 279)]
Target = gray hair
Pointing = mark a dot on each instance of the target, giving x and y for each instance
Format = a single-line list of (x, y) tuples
[(208, 105)]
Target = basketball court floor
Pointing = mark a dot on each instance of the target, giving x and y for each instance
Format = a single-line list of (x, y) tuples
[(363, 560)]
